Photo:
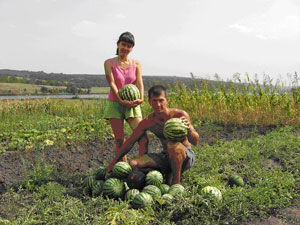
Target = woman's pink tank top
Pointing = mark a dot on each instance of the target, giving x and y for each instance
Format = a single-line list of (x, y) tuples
[(122, 76)]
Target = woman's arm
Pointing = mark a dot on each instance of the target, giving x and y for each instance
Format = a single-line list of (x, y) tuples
[(139, 80)]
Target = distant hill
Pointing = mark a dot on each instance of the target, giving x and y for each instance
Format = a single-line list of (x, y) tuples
[(82, 80), (94, 80)]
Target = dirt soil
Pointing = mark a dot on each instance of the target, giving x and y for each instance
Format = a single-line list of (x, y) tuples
[(79, 159)]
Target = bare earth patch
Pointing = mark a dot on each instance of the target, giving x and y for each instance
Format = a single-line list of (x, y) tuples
[(79, 159)]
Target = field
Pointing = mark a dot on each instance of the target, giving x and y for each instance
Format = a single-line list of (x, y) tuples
[(49, 146), (26, 89)]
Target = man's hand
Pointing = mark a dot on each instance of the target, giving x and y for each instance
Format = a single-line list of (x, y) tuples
[(186, 122)]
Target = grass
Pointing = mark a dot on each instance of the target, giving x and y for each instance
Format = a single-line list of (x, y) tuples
[(269, 164)]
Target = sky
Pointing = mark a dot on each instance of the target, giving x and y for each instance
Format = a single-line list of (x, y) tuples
[(173, 37)]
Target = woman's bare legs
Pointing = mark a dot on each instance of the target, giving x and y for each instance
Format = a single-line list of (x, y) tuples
[(117, 126)]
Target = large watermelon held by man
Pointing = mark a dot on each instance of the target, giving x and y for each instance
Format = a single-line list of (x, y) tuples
[(130, 92), (175, 130)]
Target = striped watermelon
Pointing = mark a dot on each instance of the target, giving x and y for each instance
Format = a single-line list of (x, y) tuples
[(153, 191), (97, 188), (167, 199), (212, 191), (236, 180), (175, 130), (113, 188), (154, 177), (130, 194), (141, 200), (88, 182), (176, 189), (100, 173), (130, 92), (164, 188), (122, 169)]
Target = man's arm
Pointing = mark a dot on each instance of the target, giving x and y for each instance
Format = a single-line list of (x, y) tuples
[(193, 136), (128, 144)]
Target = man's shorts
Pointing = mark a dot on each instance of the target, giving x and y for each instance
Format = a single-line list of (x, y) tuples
[(162, 160), (114, 110)]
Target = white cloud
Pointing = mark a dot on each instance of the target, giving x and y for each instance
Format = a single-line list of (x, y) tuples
[(120, 16), (280, 21), (86, 29), (241, 28)]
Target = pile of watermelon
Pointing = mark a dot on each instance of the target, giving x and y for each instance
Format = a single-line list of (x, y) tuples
[(133, 186)]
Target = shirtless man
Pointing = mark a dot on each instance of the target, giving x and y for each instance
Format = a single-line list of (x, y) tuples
[(176, 157)]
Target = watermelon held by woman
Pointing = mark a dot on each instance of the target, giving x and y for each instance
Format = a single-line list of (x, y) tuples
[(114, 188), (175, 130), (136, 180), (121, 169), (130, 92), (236, 180), (154, 177), (212, 191), (142, 200)]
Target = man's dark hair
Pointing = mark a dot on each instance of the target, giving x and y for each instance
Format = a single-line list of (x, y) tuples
[(126, 37), (156, 90)]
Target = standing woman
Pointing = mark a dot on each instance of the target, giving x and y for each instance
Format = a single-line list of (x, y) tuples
[(120, 71)]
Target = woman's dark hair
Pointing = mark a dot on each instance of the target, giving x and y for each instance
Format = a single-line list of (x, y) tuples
[(156, 90), (126, 37)]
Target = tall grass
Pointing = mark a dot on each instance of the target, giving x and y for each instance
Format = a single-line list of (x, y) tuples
[(42, 122), (240, 105)]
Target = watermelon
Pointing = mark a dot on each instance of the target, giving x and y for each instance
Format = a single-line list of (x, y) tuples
[(97, 187), (212, 191), (130, 194), (164, 188), (130, 92), (121, 169), (176, 189), (141, 200), (175, 130), (236, 180), (153, 191), (154, 177), (113, 188), (101, 173), (88, 182), (167, 199), (136, 180)]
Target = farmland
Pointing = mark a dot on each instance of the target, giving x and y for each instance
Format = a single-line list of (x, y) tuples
[(34, 89), (48, 146)]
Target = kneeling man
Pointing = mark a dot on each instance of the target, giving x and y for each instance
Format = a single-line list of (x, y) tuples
[(176, 157)]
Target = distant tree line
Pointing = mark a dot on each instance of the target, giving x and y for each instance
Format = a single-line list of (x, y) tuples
[(71, 89), (86, 81)]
